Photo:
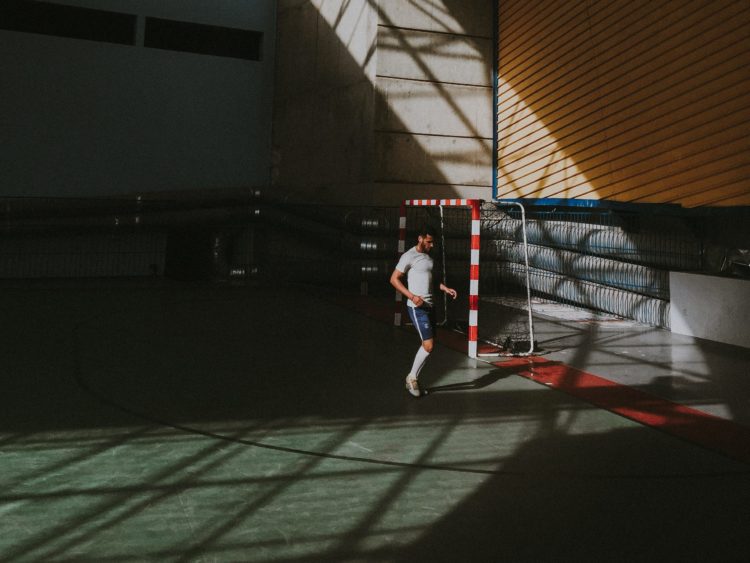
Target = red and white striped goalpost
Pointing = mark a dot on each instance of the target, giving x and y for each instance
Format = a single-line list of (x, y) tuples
[(475, 205)]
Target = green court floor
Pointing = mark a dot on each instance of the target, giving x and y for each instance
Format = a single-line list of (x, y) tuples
[(189, 423)]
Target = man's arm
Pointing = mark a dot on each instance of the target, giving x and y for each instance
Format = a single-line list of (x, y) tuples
[(449, 290), (403, 290)]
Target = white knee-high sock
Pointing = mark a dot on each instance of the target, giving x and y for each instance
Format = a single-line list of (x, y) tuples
[(419, 361)]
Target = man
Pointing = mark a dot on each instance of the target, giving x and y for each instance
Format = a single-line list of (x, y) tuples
[(416, 263)]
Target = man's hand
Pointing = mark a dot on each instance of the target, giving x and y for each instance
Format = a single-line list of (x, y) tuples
[(417, 300), (449, 290)]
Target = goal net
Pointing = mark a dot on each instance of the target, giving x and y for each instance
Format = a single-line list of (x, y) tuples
[(480, 251)]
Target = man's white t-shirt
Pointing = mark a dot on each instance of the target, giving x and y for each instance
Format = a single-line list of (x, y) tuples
[(418, 269)]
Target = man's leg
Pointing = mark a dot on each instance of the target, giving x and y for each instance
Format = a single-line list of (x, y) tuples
[(422, 354), (423, 323)]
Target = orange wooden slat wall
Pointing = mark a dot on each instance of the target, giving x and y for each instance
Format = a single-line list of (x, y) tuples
[(645, 101)]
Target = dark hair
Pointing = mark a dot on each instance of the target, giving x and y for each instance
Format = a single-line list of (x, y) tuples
[(426, 229)]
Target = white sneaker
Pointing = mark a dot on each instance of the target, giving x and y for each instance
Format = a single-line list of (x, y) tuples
[(412, 386)]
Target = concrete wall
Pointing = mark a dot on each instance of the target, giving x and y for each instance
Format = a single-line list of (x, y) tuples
[(324, 101), (377, 101), (85, 118), (434, 122), (710, 307)]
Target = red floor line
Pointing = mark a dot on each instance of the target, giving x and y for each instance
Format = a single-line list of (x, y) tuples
[(709, 431)]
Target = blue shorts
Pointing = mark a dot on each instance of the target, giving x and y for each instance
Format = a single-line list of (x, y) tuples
[(423, 319)]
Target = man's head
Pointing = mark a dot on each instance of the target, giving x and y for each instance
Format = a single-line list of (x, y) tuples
[(425, 239)]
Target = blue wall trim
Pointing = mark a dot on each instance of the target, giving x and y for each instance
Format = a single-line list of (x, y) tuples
[(608, 205), (600, 204)]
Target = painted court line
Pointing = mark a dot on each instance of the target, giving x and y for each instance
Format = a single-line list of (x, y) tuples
[(706, 430)]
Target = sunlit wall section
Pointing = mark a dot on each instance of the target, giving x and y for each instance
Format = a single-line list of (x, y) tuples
[(377, 101), (433, 118), (641, 102)]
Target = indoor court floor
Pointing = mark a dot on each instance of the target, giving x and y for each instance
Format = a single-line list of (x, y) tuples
[(171, 422)]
